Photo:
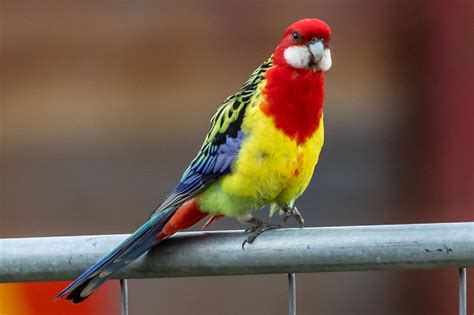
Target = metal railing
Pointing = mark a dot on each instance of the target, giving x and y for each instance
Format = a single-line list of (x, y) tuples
[(383, 247)]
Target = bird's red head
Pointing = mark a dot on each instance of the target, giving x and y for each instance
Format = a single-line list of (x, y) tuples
[(305, 45)]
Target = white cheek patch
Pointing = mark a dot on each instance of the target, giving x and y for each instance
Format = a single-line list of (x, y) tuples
[(326, 62), (297, 56)]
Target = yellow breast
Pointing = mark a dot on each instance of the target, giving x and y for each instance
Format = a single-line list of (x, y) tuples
[(271, 167)]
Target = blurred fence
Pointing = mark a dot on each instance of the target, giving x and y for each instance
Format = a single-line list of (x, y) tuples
[(384, 247)]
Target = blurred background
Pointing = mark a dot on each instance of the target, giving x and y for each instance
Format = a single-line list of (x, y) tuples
[(103, 104)]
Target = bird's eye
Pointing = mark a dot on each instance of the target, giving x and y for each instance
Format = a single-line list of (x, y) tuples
[(296, 36)]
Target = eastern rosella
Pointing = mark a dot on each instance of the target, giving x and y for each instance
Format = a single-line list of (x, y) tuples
[(262, 149)]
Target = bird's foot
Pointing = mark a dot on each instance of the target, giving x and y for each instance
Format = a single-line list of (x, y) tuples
[(292, 211), (257, 228)]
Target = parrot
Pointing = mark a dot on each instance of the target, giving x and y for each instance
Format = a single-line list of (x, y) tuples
[(261, 150)]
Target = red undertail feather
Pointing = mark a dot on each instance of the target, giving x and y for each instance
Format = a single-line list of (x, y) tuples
[(186, 216), (212, 219)]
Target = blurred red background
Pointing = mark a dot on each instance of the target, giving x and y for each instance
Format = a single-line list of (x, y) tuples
[(104, 103)]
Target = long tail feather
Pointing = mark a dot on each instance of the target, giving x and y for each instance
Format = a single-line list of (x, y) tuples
[(133, 247)]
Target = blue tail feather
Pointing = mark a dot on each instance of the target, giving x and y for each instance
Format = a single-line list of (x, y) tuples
[(133, 247)]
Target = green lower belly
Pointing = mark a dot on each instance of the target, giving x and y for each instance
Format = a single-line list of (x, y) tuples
[(216, 201)]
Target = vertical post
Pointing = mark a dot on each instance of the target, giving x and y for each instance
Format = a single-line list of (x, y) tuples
[(462, 291), (123, 297), (292, 294)]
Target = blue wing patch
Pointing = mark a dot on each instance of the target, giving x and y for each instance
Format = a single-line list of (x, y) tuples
[(214, 160)]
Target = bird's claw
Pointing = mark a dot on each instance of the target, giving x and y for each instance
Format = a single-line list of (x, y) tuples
[(258, 228), (292, 212)]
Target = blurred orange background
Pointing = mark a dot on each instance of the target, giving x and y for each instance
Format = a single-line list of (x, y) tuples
[(103, 104)]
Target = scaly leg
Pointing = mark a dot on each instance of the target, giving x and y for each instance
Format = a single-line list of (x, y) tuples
[(292, 211), (257, 228)]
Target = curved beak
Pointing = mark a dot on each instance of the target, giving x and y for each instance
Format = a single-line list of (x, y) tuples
[(317, 50)]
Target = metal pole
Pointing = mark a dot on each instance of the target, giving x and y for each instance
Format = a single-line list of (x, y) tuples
[(123, 296), (283, 251), (292, 294), (462, 291)]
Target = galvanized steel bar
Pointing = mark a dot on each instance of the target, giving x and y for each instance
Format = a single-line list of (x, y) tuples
[(292, 294), (462, 291), (123, 297), (416, 246)]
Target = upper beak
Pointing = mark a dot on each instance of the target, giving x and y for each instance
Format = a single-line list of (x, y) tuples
[(316, 48)]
